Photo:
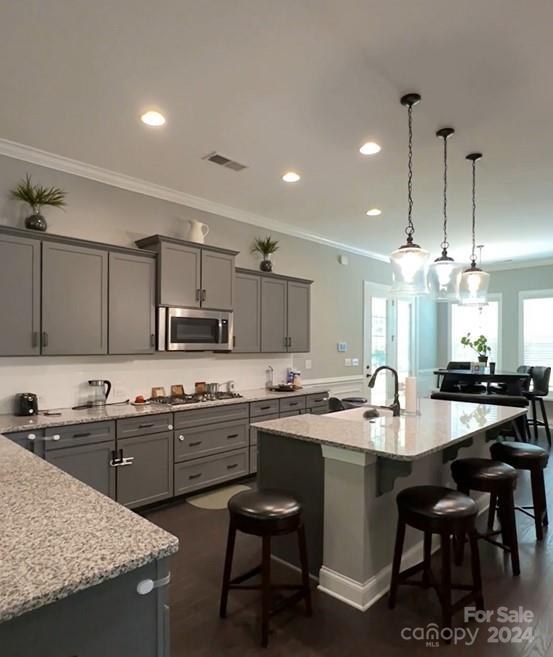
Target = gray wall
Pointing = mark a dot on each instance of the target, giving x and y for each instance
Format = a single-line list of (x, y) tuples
[(103, 213)]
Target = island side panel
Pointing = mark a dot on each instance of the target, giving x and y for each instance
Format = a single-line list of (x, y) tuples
[(111, 618), (297, 467)]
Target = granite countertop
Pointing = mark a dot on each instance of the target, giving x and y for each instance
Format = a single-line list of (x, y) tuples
[(59, 536), (11, 423), (406, 438)]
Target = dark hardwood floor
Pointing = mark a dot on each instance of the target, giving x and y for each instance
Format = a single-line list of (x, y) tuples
[(336, 630)]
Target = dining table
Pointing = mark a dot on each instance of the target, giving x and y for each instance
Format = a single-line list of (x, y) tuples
[(513, 383)]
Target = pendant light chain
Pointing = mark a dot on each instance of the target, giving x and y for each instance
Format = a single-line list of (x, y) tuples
[(410, 229), (473, 254), (445, 243)]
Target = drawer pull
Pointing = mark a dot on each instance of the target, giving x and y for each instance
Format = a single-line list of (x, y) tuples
[(195, 476), (82, 435), (231, 467), (233, 435), (293, 403), (146, 425), (195, 443), (264, 408)]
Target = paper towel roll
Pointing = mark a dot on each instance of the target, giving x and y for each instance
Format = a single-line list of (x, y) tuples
[(411, 394)]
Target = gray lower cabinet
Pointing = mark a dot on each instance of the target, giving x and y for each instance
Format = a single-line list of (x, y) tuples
[(131, 304), (19, 296), (299, 316), (247, 313), (145, 474), (274, 321), (210, 439), (74, 300), (179, 275), (210, 470), (217, 280), (26, 439), (110, 619), (88, 463)]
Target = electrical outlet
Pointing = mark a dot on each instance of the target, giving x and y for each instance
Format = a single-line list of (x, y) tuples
[(347, 362), (308, 363), (342, 346), (355, 362)]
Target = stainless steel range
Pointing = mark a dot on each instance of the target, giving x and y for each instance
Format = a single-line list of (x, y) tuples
[(178, 400)]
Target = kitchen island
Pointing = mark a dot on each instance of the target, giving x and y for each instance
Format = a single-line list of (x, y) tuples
[(79, 573), (347, 470)]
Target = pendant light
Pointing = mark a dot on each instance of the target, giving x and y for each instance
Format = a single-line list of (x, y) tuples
[(409, 262), (473, 288), (444, 274)]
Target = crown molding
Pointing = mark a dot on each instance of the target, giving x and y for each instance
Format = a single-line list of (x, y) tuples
[(519, 264), (49, 160)]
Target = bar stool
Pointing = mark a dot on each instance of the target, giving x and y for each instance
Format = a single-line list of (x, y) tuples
[(500, 480), (443, 511), (525, 456), (540, 389), (265, 513)]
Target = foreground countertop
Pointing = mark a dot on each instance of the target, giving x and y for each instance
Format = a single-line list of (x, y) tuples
[(406, 438), (11, 423), (59, 536)]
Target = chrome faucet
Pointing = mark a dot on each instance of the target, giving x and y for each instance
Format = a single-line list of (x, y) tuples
[(394, 406)]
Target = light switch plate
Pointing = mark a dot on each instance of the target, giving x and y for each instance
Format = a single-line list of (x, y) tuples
[(308, 363), (347, 362), (355, 362)]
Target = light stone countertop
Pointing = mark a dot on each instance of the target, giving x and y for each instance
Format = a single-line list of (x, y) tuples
[(406, 438), (59, 536), (13, 423)]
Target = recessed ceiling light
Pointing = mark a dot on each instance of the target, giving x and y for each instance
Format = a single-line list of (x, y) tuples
[(291, 176), (374, 212), (153, 118), (370, 148)]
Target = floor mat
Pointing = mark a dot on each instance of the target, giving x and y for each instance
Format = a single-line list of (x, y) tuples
[(216, 499)]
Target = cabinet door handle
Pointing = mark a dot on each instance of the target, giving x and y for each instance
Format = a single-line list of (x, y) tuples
[(231, 467), (232, 435), (34, 339), (116, 458), (146, 426), (195, 476), (44, 339), (180, 438), (194, 444)]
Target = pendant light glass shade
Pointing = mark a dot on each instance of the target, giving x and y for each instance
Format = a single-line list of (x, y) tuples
[(410, 262), (473, 288)]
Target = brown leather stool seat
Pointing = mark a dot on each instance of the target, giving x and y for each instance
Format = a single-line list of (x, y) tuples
[(499, 479), (443, 511), (265, 513), (525, 456)]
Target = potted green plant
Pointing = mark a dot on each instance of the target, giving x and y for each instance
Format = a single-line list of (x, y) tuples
[(479, 345), (37, 196), (265, 247)]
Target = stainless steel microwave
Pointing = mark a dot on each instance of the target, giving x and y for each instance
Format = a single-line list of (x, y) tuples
[(185, 329)]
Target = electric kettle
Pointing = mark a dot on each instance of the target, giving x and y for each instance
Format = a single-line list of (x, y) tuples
[(100, 389)]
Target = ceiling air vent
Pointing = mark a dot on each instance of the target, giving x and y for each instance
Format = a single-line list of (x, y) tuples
[(223, 161)]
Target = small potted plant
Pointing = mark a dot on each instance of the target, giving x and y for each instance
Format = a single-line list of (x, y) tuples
[(37, 196), (265, 247), (479, 345)]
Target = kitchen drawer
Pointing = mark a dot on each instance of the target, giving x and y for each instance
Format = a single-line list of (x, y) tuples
[(253, 459), (292, 404), (317, 399), (253, 431), (210, 470), (267, 407), (25, 439), (291, 413), (211, 439), (319, 410), (142, 426), (78, 434), (201, 416)]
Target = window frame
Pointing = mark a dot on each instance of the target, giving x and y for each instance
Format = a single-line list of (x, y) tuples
[(530, 294), (494, 296)]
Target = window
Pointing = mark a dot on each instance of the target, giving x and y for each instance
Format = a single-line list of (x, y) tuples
[(537, 332), (476, 320)]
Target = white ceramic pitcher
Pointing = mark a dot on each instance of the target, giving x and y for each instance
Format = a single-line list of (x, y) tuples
[(197, 231)]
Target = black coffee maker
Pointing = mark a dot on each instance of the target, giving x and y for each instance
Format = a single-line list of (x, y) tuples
[(26, 403)]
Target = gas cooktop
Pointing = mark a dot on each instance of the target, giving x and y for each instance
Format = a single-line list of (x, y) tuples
[(175, 400)]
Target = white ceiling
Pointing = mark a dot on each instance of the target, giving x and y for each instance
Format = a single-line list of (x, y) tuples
[(301, 84)]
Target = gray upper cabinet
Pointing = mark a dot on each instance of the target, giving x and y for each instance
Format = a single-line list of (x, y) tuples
[(299, 316), (74, 299), (179, 275), (217, 280), (131, 304), (19, 296), (247, 313), (273, 315)]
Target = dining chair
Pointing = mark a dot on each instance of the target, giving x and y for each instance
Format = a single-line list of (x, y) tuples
[(540, 377)]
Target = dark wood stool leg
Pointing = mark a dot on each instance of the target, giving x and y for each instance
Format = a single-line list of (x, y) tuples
[(227, 570), (538, 500), (304, 569), (459, 539), (545, 422), (491, 511), (535, 419), (476, 574), (266, 590), (509, 528), (426, 559), (396, 564), (445, 588)]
